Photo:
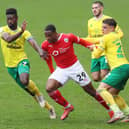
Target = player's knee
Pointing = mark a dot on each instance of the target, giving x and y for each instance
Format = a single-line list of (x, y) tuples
[(25, 82), (96, 78), (100, 89), (48, 89), (103, 75)]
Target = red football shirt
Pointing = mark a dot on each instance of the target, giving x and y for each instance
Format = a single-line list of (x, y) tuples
[(62, 50)]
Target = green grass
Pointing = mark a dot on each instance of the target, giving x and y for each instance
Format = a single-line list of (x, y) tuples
[(17, 109)]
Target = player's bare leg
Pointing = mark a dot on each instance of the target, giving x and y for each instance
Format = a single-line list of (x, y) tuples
[(99, 75), (33, 90), (51, 88), (96, 76), (103, 73), (107, 92), (92, 91)]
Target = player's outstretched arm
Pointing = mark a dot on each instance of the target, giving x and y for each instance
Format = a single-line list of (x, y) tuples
[(43, 54), (9, 38), (85, 43), (93, 40)]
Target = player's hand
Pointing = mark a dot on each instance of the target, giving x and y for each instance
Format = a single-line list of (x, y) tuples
[(23, 26), (43, 55), (91, 47)]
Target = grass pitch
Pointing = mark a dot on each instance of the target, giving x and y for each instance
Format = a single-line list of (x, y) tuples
[(17, 109)]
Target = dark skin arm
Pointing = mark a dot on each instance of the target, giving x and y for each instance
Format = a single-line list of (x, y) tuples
[(43, 54), (10, 38)]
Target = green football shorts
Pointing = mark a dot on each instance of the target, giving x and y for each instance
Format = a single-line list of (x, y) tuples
[(98, 64), (118, 77), (22, 67)]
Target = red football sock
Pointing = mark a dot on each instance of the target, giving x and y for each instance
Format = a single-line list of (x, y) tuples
[(101, 101), (58, 98)]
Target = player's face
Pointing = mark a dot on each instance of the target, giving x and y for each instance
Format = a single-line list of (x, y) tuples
[(107, 29), (97, 10), (51, 37), (12, 21)]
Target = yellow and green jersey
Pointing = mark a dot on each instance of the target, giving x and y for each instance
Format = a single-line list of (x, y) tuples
[(95, 29), (111, 45), (14, 52)]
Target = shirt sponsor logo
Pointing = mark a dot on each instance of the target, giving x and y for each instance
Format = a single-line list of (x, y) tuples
[(55, 53), (60, 51), (13, 46)]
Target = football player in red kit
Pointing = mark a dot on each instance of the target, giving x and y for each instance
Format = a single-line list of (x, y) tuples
[(60, 47)]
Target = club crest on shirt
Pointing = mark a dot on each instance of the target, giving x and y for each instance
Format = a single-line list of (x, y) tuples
[(50, 46), (66, 40)]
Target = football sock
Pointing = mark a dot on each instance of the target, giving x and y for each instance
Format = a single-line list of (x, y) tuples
[(109, 99), (107, 96), (122, 104), (33, 88), (58, 98), (115, 108), (47, 105), (102, 101)]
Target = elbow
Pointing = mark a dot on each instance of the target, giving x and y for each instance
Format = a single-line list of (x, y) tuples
[(9, 40), (121, 35)]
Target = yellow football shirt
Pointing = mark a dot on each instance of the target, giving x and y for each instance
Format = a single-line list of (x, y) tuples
[(95, 29), (14, 52), (112, 46)]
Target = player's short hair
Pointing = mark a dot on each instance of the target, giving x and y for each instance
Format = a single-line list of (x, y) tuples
[(99, 2), (50, 27), (110, 22), (11, 11)]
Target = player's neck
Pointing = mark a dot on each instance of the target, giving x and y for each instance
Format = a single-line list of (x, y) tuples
[(13, 28), (99, 17)]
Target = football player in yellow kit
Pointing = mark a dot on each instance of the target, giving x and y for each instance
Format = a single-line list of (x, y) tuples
[(13, 39), (99, 66), (116, 79)]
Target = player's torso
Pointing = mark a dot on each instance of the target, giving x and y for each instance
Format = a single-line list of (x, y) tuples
[(13, 52), (62, 51), (95, 26), (114, 50), (18, 43)]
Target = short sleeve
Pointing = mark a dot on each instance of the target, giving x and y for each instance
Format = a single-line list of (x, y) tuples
[(27, 35), (74, 38)]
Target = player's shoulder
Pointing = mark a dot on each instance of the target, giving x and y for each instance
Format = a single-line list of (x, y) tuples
[(111, 36), (69, 34), (4, 28), (91, 19), (106, 16), (26, 32), (66, 35), (45, 43)]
